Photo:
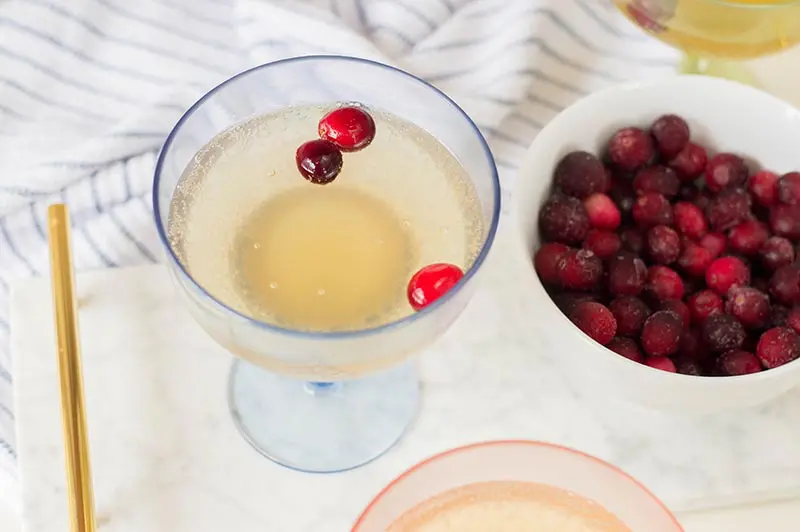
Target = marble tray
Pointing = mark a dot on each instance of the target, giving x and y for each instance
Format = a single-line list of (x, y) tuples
[(166, 455)]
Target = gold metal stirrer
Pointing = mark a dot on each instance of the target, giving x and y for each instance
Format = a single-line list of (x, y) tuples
[(79, 476)]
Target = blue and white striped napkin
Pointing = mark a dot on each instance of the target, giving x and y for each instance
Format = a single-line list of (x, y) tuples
[(90, 88)]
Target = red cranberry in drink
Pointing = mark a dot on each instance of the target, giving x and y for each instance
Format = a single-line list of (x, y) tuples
[(691, 345), (627, 348), (563, 219), (351, 128), (596, 321), (690, 162), (723, 332), (627, 275), (432, 282), (568, 301), (660, 179), (652, 209), (661, 333), (546, 261), (632, 240), (689, 220), (602, 212), (663, 244), (319, 161), (630, 313), (779, 316), (630, 148), (715, 243), (687, 366), (648, 14), (704, 304), (789, 188), (748, 237), (784, 285), (727, 209), (662, 363), (664, 283), (748, 305), (777, 347), (763, 186), (785, 220), (737, 362), (695, 259), (580, 270), (580, 174), (725, 170), (678, 307), (777, 251), (725, 273), (604, 244), (793, 318), (671, 133)]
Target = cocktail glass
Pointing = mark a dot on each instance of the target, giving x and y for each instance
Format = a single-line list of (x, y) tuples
[(324, 401)]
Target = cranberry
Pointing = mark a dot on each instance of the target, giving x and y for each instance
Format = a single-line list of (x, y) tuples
[(778, 346), (671, 133), (627, 348), (686, 366), (546, 261), (660, 179), (789, 188), (604, 244), (647, 16), (432, 282), (678, 307), (627, 275), (695, 259), (737, 362), (602, 212), (777, 251), (563, 219), (748, 237), (688, 192), (652, 209), (748, 305), (726, 272), (663, 244), (723, 332), (728, 209), (664, 283), (632, 240), (715, 243), (703, 199), (630, 148), (662, 363), (595, 320), (690, 220), (580, 174), (661, 333), (568, 301), (784, 285), (779, 316), (350, 128), (725, 170), (704, 304), (785, 221), (319, 161), (580, 270), (690, 162), (623, 196), (691, 345), (793, 318), (763, 186), (630, 313)]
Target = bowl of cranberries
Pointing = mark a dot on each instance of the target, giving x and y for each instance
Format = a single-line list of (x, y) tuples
[(661, 223)]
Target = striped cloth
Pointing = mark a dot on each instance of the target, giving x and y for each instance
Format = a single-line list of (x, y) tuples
[(90, 88)]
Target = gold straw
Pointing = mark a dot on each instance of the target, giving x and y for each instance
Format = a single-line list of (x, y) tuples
[(79, 477)]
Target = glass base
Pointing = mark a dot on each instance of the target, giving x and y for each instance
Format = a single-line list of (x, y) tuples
[(718, 68), (322, 427)]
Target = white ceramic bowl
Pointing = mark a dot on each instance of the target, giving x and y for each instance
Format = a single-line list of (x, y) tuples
[(722, 115)]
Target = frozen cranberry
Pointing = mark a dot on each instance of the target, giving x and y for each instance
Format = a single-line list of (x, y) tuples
[(319, 161), (602, 212), (630, 148), (567, 301), (726, 272), (703, 199), (579, 270), (580, 174), (604, 244), (728, 209), (690, 220), (662, 363), (691, 345), (723, 332), (546, 261), (737, 362), (793, 318), (695, 259), (678, 307), (763, 186), (652, 209), (563, 219), (671, 133), (632, 240), (623, 196), (660, 179), (748, 237), (785, 220), (661, 333), (789, 188), (664, 283), (432, 282), (784, 285), (663, 244), (351, 128), (779, 316), (725, 170), (627, 275), (630, 313), (749, 306), (690, 162), (778, 346), (715, 243), (687, 366), (704, 304), (626, 347), (595, 320), (777, 251)]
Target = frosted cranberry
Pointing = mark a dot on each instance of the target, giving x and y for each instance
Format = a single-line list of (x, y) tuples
[(686, 366), (715, 243), (763, 186), (737, 362), (580, 270), (777, 251), (351, 128), (432, 282), (749, 306), (652, 209), (627, 275), (664, 283), (704, 304), (663, 244), (630, 148), (723, 332), (630, 313), (623, 196), (662, 363), (632, 240), (627, 348), (596, 321), (785, 221), (691, 345), (580, 174), (777, 347), (660, 179), (604, 244), (725, 170), (726, 272), (690, 162), (546, 261), (563, 219), (568, 301), (748, 237), (678, 307), (784, 285), (661, 333), (689, 220), (728, 209), (793, 318), (671, 133), (789, 188), (319, 161), (695, 259), (779, 316), (602, 212)]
